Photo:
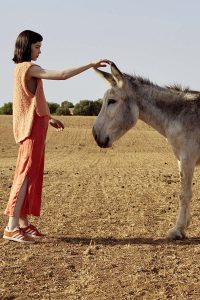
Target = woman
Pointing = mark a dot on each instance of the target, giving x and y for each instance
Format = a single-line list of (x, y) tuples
[(31, 117)]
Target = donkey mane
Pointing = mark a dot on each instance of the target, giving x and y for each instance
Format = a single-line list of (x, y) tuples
[(180, 88), (177, 89), (139, 79)]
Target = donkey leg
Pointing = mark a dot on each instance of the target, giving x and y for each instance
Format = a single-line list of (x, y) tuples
[(186, 168)]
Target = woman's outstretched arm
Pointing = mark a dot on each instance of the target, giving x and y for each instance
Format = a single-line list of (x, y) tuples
[(38, 72)]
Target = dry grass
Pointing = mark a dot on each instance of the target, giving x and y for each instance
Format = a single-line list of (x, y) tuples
[(105, 213)]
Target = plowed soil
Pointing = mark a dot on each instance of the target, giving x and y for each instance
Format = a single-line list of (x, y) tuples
[(105, 214)]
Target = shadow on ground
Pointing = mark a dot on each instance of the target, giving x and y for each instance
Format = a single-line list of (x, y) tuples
[(110, 241)]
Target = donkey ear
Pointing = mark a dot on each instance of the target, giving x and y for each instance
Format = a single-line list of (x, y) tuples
[(118, 76), (107, 76)]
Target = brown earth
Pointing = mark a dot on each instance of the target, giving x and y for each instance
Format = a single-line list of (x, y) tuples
[(105, 214)]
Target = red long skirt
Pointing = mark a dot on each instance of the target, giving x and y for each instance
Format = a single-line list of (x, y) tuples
[(30, 164)]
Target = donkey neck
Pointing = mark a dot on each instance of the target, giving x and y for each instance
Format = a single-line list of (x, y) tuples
[(152, 101)]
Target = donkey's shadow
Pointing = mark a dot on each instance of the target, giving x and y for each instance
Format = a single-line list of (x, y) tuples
[(111, 241)]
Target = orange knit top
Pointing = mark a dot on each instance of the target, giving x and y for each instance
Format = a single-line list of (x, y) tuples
[(25, 104)]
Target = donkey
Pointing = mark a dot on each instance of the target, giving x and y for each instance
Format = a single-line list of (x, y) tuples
[(172, 111)]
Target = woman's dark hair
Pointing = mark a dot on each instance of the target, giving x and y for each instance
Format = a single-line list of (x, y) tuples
[(23, 45)]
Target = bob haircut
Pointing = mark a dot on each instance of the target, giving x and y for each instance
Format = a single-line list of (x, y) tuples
[(23, 45)]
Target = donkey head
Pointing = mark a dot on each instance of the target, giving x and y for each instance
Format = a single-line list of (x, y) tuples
[(119, 111)]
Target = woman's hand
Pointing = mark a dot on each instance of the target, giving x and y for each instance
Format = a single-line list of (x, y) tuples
[(56, 124), (101, 63)]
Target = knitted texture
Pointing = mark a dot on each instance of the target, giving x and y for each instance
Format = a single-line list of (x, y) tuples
[(25, 104)]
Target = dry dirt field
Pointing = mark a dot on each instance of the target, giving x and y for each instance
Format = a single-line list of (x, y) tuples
[(105, 214)]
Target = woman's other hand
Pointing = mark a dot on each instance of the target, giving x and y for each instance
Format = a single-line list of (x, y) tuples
[(56, 124)]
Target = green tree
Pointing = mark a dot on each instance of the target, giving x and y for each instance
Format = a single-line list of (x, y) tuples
[(82, 108), (53, 107), (6, 109), (63, 111), (67, 103), (97, 106), (64, 108), (87, 108)]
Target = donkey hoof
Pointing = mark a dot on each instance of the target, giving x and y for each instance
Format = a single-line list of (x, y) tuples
[(174, 234)]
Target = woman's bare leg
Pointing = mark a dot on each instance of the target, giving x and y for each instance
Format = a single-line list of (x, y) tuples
[(16, 221)]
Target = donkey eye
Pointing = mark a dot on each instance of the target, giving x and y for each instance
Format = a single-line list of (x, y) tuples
[(111, 101)]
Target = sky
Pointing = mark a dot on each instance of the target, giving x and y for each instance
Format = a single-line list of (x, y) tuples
[(156, 39)]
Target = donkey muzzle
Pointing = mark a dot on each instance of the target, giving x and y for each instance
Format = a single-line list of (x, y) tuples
[(102, 142)]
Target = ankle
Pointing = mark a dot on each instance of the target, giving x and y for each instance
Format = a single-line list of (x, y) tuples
[(13, 223), (23, 222)]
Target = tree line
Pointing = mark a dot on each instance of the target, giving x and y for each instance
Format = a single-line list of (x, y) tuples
[(66, 108)]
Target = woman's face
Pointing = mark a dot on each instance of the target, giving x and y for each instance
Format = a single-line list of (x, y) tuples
[(35, 50)]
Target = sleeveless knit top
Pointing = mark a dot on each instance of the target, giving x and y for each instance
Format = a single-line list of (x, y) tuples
[(26, 104)]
